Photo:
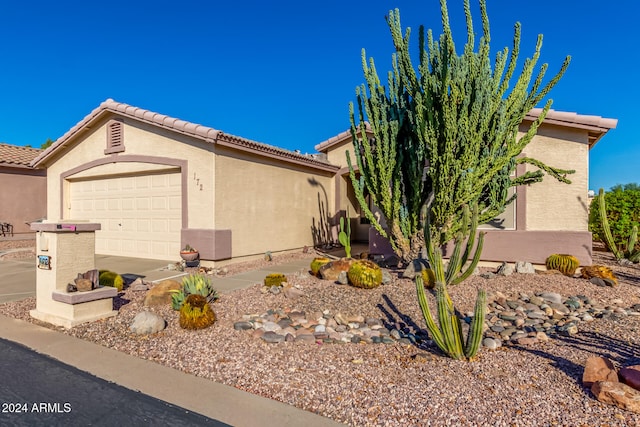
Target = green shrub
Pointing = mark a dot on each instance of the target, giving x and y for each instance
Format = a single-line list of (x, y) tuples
[(623, 211), (109, 278)]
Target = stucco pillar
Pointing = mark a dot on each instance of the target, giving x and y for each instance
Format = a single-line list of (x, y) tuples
[(62, 251)]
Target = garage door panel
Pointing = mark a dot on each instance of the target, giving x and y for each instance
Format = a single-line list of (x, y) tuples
[(128, 204), (141, 216), (159, 203)]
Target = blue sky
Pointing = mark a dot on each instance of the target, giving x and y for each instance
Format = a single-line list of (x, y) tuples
[(283, 73)]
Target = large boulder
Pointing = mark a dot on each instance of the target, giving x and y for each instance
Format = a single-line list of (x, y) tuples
[(598, 369), (160, 294), (331, 270), (618, 394), (524, 267), (415, 267), (631, 376), (147, 322)]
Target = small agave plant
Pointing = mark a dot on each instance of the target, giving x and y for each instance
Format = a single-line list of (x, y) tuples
[(447, 333), (194, 284)]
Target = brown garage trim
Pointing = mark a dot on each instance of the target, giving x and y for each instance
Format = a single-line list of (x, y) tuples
[(133, 158)]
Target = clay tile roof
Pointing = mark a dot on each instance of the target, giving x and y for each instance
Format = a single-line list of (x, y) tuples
[(195, 130), (596, 126), (17, 156), (324, 145)]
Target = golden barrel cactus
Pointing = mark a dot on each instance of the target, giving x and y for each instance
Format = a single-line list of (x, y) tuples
[(274, 279), (365, 274), (565, 264), (317, 263), (428, 277), (600, 271), (196, 313), (109, 278)]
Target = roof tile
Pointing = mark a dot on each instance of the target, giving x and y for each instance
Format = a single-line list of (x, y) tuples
[(15, 155)]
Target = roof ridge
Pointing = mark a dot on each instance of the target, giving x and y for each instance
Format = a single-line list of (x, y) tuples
[(196, 130)]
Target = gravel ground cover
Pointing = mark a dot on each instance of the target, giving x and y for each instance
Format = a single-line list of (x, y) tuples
[(17, 249), (393, 384)]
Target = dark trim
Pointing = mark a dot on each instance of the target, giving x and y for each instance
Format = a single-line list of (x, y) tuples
[(14, 169)]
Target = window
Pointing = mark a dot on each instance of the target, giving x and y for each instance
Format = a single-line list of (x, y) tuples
[(115, 137)]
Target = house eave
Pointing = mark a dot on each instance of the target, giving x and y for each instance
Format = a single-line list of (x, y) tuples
[(204, 133)]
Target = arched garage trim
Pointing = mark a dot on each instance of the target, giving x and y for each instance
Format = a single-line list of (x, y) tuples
[(179, 163)]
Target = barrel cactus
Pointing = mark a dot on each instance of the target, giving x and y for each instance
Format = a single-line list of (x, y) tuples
[(196, 313), (109, 278), (274, 279), (428, 277), (317, 263), (365, 274), (565, 264), (601, 271)]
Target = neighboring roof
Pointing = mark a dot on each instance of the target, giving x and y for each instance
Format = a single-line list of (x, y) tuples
[(194, 130), (596, 125), (17, 156), (342, 136)]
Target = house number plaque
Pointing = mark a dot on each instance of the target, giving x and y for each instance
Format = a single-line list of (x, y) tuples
[(44, 262)]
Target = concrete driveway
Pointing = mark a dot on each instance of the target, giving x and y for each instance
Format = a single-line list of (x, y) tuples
[(18, 277)]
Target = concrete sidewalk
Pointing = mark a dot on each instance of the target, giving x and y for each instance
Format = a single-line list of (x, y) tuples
[(250, 278), (217, 401), (19, 276)]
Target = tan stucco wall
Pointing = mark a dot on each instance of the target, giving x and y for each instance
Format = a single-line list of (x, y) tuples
[(23, 197), (337, 154), (140, 140), (566, 205), (552, 205), (268, 205)]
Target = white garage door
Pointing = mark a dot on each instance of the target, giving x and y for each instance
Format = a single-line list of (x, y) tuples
[(140, 215)]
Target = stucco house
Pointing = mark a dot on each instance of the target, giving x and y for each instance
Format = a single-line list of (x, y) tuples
[(157, 183), (23, 191)]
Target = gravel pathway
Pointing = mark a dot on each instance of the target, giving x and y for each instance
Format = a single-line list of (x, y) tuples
[(393, 384)]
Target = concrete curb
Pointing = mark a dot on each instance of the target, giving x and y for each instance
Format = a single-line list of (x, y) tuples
[(213, 400)]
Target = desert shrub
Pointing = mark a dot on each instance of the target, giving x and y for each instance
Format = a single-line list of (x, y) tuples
[(623, 211)]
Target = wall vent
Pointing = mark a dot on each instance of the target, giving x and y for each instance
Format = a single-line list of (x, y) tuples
[(115, 137)]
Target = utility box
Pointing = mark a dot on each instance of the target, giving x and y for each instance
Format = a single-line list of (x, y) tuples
[(64, 250)]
